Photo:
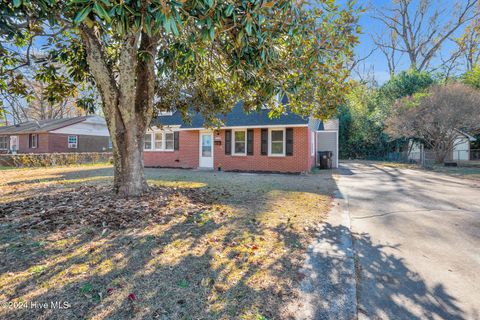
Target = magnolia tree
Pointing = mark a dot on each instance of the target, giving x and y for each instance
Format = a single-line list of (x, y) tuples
[(437, 117), (144, 56)]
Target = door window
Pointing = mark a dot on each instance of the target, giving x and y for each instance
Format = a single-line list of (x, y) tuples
[(206, 145)]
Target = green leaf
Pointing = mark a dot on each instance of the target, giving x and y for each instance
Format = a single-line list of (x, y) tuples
[(229, 10), (212, 33), (101, 12), (81, 15), (17, 3), (148, 25), (248, 28), (174, 28), (78, 1)]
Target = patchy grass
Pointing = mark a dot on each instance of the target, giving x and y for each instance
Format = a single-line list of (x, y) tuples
[(389, 164), (467, 172), (200, 245)]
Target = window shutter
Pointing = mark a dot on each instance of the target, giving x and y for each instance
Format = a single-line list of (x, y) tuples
[(250, 142), (228, 141), (30, 140), (176, 140), (289, 141), (264, 144)]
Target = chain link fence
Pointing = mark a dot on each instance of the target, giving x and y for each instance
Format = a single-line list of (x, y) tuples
[(427, 158)]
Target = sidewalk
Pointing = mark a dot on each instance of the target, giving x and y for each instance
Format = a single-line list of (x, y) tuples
[(329, 290)]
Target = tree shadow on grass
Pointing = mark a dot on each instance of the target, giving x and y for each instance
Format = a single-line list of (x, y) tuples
[(204, 262)]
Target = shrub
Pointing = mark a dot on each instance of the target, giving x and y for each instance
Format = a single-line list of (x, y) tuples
[(53, 159)]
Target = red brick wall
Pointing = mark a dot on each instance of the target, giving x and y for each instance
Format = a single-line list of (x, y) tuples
[(42, 145), (188, 154), (58, 142), (186, 157), (54, 142), (300, 161)]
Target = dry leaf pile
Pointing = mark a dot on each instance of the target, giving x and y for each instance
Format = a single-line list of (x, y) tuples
[(97, 206)]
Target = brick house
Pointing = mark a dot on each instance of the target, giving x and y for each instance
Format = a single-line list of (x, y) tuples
[(246, 142), (79, 134)]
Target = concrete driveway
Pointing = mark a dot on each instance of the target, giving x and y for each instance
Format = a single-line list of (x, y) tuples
[(416, 242)]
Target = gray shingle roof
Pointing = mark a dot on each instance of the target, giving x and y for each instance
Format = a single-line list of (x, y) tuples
[(40, 126), (235, 118)]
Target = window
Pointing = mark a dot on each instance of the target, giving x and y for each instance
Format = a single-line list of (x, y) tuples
[(3, 142), (168, 140), (72, 142), (109, 143), (148, 142), (239, 142), (33, 140), (312, 143), (277, 142), (158, 140), (162, 141)]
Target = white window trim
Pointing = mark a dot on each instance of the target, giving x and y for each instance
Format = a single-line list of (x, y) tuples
[(164, 141), (72, 145), (154, 144), (312, 143), (30, 136), (233, 143), (6, 142), (270, 154)]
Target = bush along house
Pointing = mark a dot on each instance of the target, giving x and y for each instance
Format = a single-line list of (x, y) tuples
[(246, 142), (79, 134)]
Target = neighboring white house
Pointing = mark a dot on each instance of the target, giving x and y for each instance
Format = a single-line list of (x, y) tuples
[(461, 149), (327, 139), (460, 152)]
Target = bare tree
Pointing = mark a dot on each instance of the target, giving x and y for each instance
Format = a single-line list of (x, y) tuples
[(388, 45), (418, 30), (437, 118), (38, 105), (469, 43), (467, 53), (364, 72)]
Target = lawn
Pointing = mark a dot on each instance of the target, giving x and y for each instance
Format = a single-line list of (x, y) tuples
[(200, 245), (464, 171)]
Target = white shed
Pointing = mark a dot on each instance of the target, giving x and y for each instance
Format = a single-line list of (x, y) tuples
[(327, 139)]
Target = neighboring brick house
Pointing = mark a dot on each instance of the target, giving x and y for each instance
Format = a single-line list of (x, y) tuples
[(246, 142), (79, 134)]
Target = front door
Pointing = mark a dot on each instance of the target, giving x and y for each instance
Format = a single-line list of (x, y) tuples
[(14, 143), (206, 150)]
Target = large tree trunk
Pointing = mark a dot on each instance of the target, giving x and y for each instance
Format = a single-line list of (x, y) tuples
[(127, 101), (127, 147)]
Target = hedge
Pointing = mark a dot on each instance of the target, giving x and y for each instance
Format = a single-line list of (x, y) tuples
[(53, 159)]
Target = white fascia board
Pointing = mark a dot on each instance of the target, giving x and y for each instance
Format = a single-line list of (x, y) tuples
[(252, 127), (166, 127)]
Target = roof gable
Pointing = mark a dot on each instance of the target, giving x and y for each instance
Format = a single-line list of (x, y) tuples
[(41, 126)]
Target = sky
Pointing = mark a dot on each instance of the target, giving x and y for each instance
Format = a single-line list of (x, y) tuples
[(377, 60)]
